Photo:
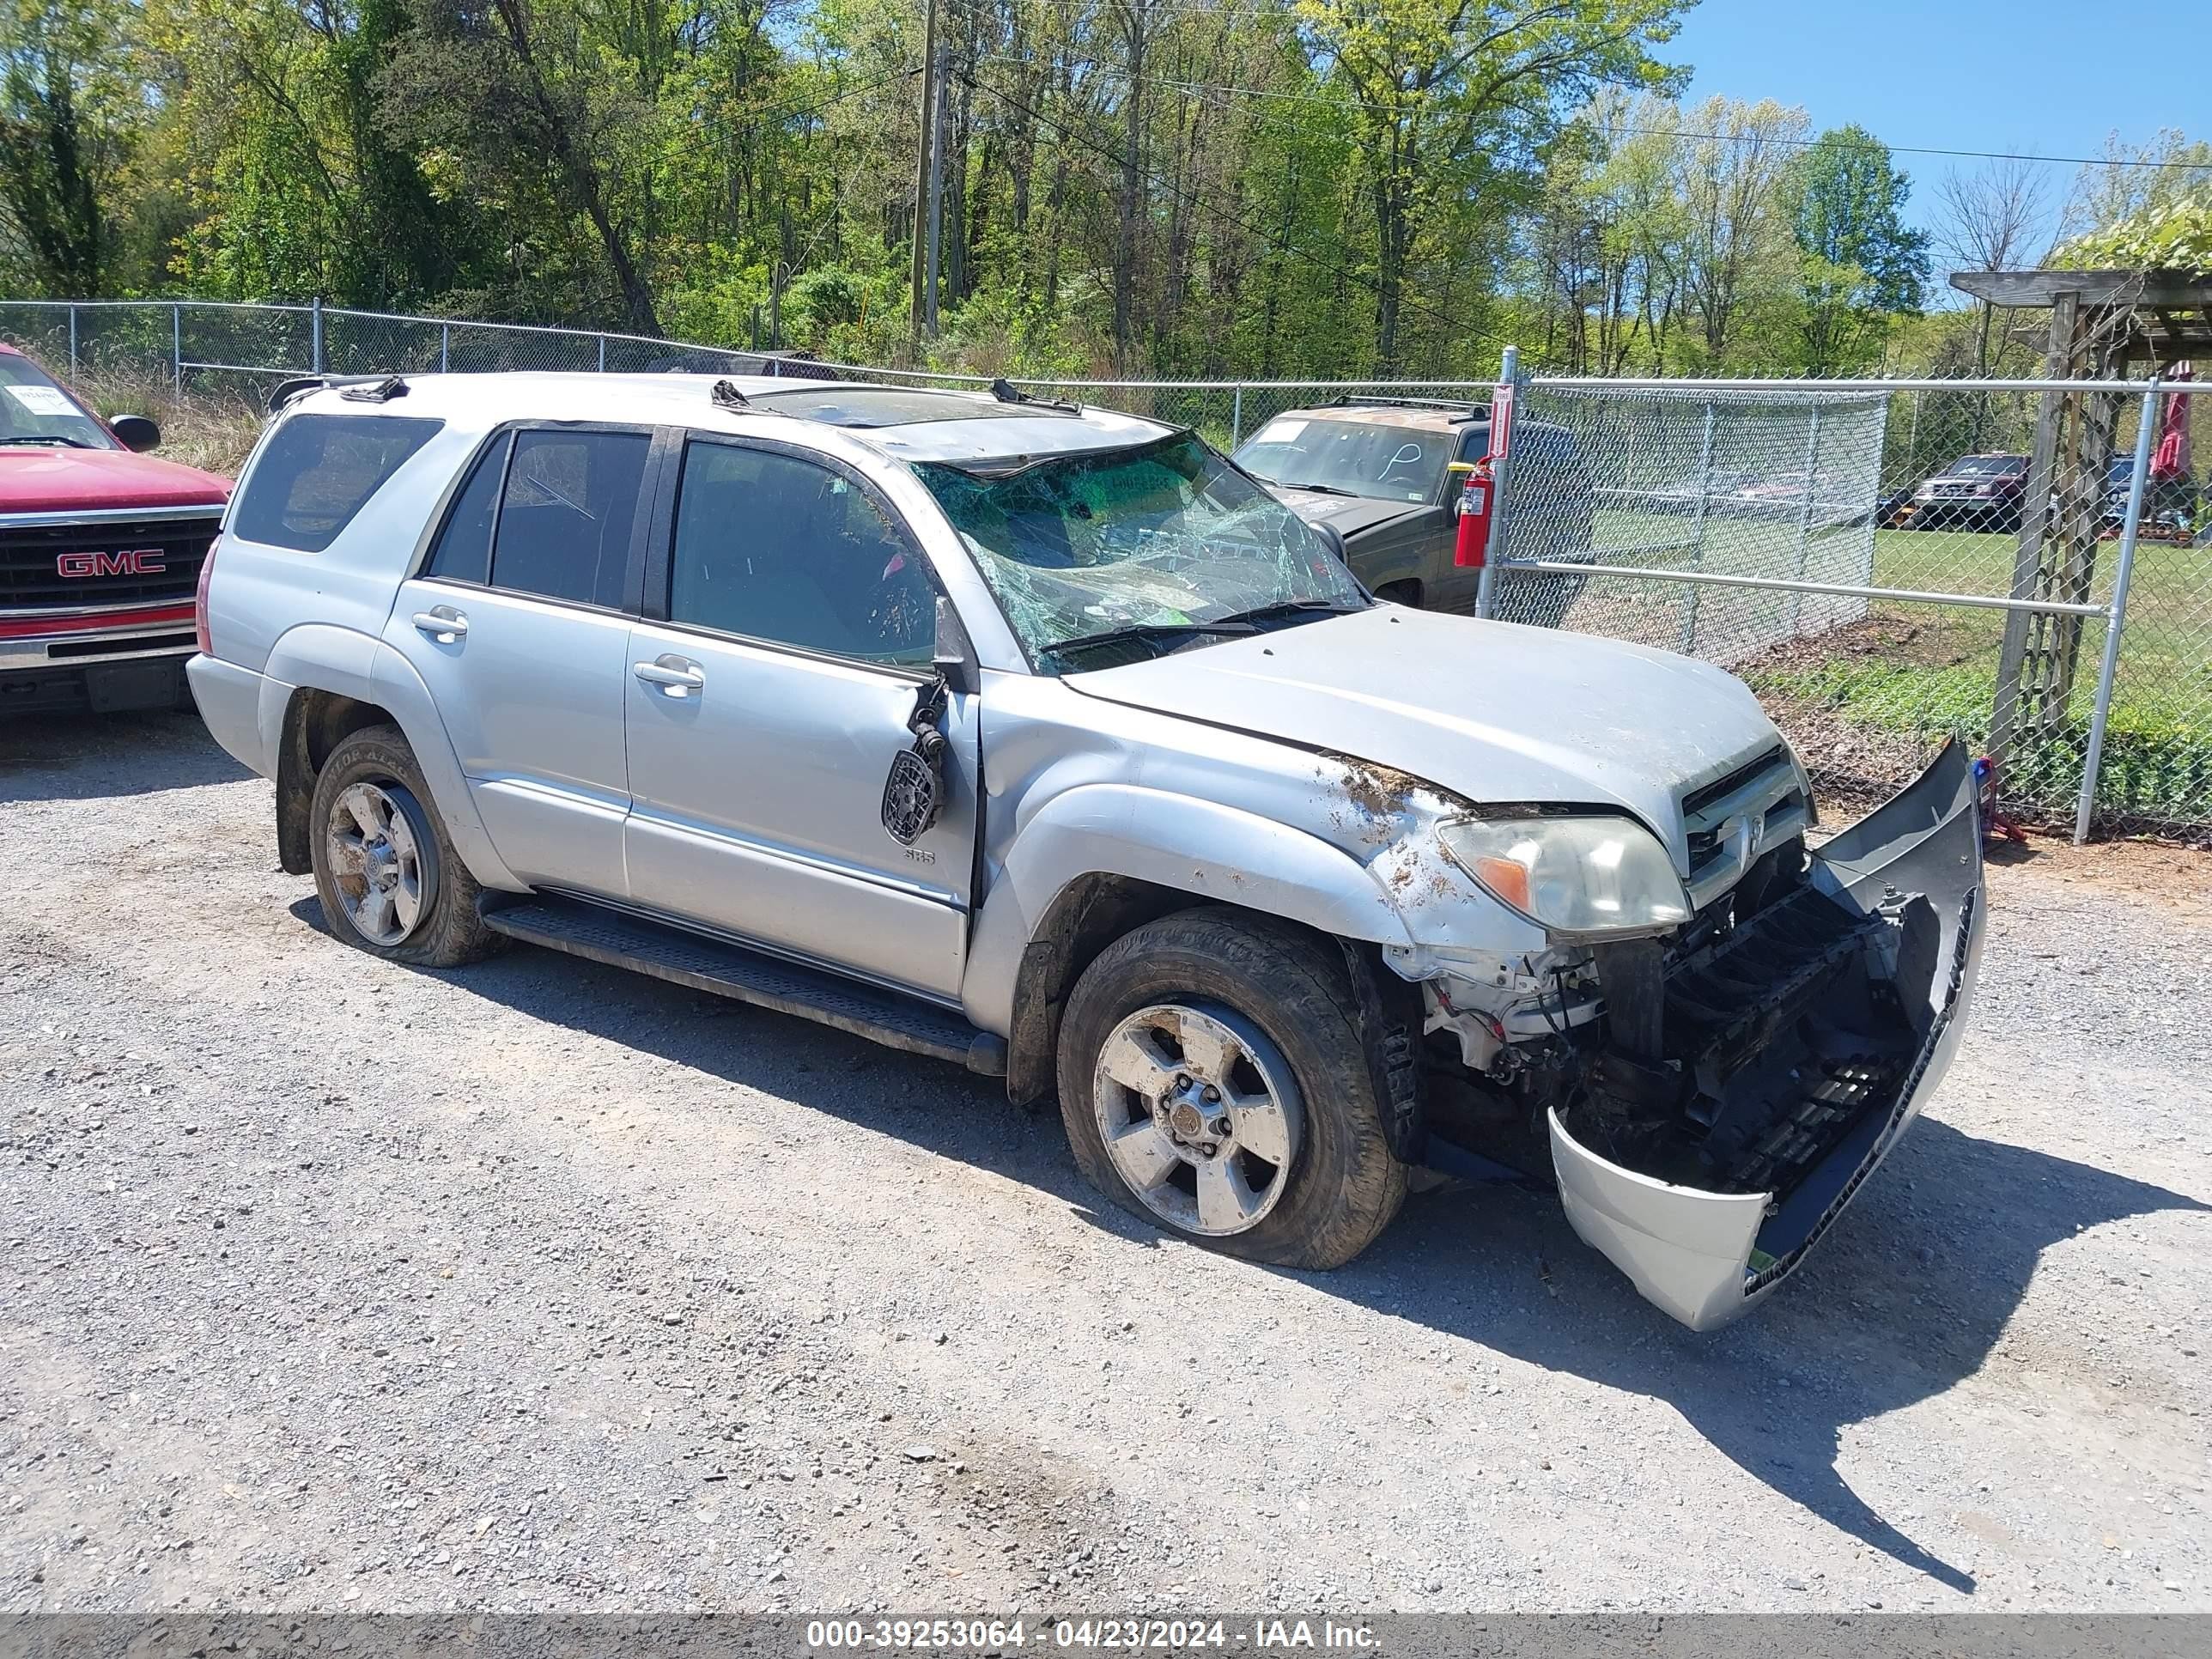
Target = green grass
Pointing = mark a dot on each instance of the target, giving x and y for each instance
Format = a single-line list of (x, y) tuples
[(1866, 697)]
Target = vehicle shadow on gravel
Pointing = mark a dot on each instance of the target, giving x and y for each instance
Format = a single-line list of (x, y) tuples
[(101, 757), (1907, 1296)]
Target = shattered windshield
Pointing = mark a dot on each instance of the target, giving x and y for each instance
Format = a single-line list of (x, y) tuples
[(1161, 540), (1378, 460)]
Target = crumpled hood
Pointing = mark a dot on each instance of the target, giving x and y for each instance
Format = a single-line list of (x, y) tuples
[(1491, 711), (66, 480), (1348, 516)]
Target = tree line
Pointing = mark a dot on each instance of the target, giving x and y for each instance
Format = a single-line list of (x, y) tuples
[(1169, 187)]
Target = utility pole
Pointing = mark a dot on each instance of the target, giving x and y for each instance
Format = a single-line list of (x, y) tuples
[(925, 156), (937, 193)]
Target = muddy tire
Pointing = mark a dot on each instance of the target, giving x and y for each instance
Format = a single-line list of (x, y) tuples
[(386, 871), (1214, 1082)]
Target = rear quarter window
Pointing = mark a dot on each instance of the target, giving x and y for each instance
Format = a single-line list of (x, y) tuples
[(319, 470)]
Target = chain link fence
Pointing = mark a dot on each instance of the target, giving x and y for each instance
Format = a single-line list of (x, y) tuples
[(1890, 564), (1887, 564)]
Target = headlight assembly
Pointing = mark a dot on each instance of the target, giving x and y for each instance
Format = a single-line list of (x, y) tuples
[(1591, 877)]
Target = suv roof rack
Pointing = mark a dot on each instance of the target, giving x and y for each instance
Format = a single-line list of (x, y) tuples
[(362, 388), (1007, 392), (1468, 410), (373, 389)]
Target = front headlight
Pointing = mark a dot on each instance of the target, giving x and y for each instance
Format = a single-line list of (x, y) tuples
[(1586, 877)]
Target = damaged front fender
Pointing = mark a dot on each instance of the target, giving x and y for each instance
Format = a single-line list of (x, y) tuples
[(1705, 1255)]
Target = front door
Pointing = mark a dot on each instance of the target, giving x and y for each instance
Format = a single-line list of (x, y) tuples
[(519, 624), (786, 643)]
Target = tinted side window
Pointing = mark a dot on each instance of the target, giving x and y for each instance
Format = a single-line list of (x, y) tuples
[(776, 548), (318, 470), (463, 548), (565, 522)]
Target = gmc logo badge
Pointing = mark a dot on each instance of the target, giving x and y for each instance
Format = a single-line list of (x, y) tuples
[(138, 562)]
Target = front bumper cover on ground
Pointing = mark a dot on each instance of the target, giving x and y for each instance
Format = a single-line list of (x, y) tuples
[(1706, 1257)]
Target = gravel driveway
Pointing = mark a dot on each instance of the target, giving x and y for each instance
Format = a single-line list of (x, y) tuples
[(329, 1283)]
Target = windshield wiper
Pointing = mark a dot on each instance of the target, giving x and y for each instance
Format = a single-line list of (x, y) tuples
[(1317, 488), (1148, 632), (1283, 608), (49, 438)]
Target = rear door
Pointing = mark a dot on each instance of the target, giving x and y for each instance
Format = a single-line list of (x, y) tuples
[(519, 622), (787, 641)]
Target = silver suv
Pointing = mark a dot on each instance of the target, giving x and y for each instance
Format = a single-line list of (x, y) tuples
[(1046, 741)]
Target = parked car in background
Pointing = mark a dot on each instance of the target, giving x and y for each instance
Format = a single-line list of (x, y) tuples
[(1046, 741), (2173, 508), (1374, 470), (101, 548), (1975, 492)]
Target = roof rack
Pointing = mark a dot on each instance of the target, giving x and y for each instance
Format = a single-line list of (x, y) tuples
[(1469, 411), (370, 391), (1007, 392), (363, 388)]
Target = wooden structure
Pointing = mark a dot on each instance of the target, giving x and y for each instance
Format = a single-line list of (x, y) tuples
[(2103, 325)]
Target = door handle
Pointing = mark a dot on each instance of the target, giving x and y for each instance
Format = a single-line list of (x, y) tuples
[(442, 623), (677, 676)]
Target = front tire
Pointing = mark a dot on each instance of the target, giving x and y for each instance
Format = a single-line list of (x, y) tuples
[(388, 879), (1214, 1080)]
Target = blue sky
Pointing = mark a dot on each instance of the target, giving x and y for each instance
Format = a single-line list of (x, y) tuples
[(2031, 76)]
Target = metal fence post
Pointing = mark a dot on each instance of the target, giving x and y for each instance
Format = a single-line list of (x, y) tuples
[(1689, 641), (1235, 417), (1805, 515), (1485, 589), (2116, 617), (177, 347), (73, 342), (445, 347), (603, 354), (317, 324)]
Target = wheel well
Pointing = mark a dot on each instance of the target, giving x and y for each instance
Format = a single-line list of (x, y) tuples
[(315, 723), (1092, 911)]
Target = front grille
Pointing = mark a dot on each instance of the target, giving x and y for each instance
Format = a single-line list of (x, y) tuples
[(1720, 788), (30, 578)]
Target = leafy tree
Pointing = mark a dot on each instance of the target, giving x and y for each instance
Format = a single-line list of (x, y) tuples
[(72, 111), (1450, 92), (1861, 263)]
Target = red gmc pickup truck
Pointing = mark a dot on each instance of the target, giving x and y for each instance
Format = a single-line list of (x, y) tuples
[(101, 549)]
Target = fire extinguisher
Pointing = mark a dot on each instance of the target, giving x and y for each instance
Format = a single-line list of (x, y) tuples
[(1472, 542)]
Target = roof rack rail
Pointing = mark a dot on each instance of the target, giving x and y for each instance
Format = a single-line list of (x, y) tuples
[(1007, 392), (300, 385), (1469, 409), (371, 390)]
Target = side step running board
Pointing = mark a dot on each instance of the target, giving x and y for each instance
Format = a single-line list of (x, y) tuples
[(600, 934)]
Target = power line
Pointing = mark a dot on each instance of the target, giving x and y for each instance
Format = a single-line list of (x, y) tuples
[(776, 112), (1877, 146)]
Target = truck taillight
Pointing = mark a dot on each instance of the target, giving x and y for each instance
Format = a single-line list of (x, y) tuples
[(200, 600)]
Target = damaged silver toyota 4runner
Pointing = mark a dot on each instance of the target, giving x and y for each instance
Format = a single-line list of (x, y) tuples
[(1045, 740)]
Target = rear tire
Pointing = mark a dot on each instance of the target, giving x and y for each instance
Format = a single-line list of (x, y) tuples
[(388, 879), (1313, 1175)]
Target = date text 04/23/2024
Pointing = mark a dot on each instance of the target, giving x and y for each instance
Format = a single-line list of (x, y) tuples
[(1133, 1634)]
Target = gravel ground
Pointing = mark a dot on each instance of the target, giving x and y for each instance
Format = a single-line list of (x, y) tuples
[(331, 1285)]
